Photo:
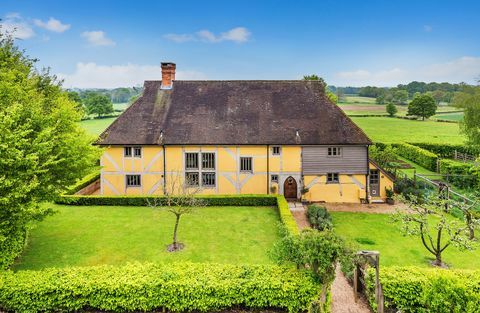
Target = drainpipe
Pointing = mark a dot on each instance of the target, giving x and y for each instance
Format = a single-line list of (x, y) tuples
[(268, 169), (367, 177)]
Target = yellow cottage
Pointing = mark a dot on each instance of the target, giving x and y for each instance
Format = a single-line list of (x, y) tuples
[(239, 137)]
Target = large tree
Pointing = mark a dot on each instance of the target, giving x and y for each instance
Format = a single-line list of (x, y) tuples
[(42, 147), (469, 100), (422, 105), (97, 103)]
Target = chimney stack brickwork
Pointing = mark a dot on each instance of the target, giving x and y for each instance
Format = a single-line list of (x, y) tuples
[(168, 74)]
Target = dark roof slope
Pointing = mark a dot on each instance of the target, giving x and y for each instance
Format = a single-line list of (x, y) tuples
[(234, 112)]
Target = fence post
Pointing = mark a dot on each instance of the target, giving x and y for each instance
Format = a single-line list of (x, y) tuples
[(355, 283)]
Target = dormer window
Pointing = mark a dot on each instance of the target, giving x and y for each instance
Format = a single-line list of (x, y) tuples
[(334, 152)]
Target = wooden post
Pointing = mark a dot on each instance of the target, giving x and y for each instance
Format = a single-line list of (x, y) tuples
[(355, 283)]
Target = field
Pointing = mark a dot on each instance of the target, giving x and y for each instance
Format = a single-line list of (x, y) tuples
[(378, 232), (390, 130), (96, 126), (84, 236)]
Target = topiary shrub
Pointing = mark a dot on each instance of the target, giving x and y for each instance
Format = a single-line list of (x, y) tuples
[(319, 217)]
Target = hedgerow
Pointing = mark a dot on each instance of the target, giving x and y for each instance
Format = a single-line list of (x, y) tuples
[(82, 183), (446, 150), (418, 155), (413, 289), (286, 216), (470, 174), (146, 287), (11, 245)]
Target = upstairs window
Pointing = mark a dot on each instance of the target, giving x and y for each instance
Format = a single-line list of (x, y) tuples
[(200, 169), (274, 178), (191, 161), (276, 150), (246, 164), (332, 178), (334, 151), (128, 152), (133, 180), (208, 160)]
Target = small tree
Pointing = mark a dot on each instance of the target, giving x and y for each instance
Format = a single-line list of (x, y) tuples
[(179, 199), (98, 104), (423, 106), (430, 219), (391, 109)]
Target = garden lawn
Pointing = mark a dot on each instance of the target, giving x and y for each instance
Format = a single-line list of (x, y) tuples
[(378, 232), (393, 130), (94, 235), (96, 126)]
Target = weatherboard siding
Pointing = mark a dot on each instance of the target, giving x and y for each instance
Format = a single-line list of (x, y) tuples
[(315, 160)]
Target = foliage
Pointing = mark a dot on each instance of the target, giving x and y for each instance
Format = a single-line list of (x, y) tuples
[(83, 182), (469, 173), (422, 105), (413, 289), (42, 147), (384, 155), (98, 104), (177, 287), (75, 97), (319, 217), (286, 216), (371, 91), (418, 155), (389, 193), (470, 102), (430, 220), (391, 109), (447, 150), (411, 190)]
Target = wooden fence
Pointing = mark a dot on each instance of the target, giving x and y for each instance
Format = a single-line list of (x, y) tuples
[(368, 259)]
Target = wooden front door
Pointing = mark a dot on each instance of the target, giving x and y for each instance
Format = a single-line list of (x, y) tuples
[(374, 183), (290, 188)]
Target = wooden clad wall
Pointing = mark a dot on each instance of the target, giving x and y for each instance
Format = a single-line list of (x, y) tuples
[(353, 160)]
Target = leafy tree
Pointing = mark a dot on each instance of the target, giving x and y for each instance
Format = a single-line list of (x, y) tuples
[(43, 149), (386, 158), (422, 106), (98, 104), (438, 95), (431, 220), (391, 109), (330, 95), (75, 97), (469, 100), (399, 97)]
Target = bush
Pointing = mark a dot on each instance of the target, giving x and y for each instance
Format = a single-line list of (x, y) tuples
[(82, 183), (11, 245), (319, 217), (471, 174), (286, 216), (418, 155), (412, 289), (407, 187), (447, 150), (148, 287)]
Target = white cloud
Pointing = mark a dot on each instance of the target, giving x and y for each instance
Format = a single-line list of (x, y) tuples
[(97, 38), (427, 28), (463, 69), (15, 25), (92, 75), (52, 24), (237, 34)]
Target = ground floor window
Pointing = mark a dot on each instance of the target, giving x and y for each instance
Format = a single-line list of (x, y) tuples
[(192, 179), (246, 164), (274, 178), (133, 180), (208, 179), (332, 178)]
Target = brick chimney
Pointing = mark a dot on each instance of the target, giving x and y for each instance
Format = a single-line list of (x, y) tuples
[(168, 74)]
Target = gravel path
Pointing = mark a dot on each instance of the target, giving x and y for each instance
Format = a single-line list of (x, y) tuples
[(342, 292)]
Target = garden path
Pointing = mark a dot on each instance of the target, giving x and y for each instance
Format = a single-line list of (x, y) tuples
[(342, 293)]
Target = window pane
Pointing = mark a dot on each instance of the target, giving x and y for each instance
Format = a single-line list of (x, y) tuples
[(191, 160), (208, 160), (246, 164), (191, 179), (275, 150), (127, 151), (208, 179), (133, 180), (274, 178), (137, 152)]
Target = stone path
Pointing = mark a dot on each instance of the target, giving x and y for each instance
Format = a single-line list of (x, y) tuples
[(342, 293)]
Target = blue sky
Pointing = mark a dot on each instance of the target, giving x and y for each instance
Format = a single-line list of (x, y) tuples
[(119, 43)]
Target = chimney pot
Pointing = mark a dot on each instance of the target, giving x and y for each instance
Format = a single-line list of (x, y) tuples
[(168, 74)]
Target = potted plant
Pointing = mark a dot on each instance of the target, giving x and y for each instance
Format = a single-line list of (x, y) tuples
[(390, 193), (273, 189)]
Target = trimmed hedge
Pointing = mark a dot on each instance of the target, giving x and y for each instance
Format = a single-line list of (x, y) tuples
[(447, 150), (82, 183), (459, 168), (418, 155), (146, 287), (413, 289), (12, 243), (210, 200), (286, 216)]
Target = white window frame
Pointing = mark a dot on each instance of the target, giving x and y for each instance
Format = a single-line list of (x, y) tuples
[(251, 164), (334, 152), (279, 150), (333, 180), (133, 150), (125, 149), (133, 186), (200, 170)]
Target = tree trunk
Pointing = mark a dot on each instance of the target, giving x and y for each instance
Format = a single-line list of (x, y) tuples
[(438, 260), (177, 221), (472, 233)]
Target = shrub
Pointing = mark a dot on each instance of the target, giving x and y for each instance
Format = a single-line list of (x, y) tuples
[(150, 287), (286, 216), (470, 173), (11, 245), (82, 183), (411, 190), (319, 217), (412, 289), (418, 155), (446, 150)]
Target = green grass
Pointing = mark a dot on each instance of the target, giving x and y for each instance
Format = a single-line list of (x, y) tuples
[(97, 126), (378, 232), (85, 236), (391, 130), (458, 116)]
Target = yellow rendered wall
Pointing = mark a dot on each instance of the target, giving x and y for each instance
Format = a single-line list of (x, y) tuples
[(350, 189), (385, 183)]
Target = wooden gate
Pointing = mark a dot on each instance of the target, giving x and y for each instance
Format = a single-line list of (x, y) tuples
[(368, 259)]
